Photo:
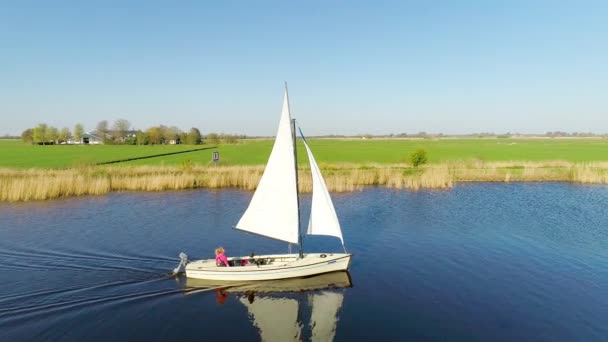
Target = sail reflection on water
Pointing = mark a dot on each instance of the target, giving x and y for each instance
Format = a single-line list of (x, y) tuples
[(323, 319), (280, 318), (275, 318), (279, 309)]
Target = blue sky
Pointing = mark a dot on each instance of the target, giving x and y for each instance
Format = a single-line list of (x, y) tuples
[(352, 67)]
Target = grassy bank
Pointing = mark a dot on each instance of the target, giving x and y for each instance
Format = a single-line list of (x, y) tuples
[(41, 184), (14, 154), (44, 172)]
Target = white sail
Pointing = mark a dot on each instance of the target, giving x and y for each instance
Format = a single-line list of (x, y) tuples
[(323, 320), (323, 218), (273, 210), (275, 318)]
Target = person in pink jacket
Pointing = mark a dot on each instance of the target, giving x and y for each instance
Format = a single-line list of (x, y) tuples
[(220, 257)]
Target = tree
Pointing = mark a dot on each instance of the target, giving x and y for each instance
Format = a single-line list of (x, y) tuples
[(155, 135), (140, 137), (64, 134), (194, 136), (183, 138), (229, 138), (103, 126), (213, 138), (28, 136), (78, 132), (40, 133), (120, 127), (172, 133), (418, 157), (51, 134)]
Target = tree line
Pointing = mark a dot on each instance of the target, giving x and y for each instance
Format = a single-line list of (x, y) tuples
[(121, 133), (44, 134)]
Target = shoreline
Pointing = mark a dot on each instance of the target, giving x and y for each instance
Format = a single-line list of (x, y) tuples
[(45, 184)]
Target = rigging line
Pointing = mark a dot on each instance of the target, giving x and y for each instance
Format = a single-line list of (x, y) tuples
[(302, 134)]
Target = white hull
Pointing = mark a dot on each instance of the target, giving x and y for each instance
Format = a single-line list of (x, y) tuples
[(333, 280), (278, 266)]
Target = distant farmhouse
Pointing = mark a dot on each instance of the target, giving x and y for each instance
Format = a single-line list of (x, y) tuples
[(93, 137), (96, 137)]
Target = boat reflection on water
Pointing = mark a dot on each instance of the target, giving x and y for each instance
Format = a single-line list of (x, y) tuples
[(279, 308)]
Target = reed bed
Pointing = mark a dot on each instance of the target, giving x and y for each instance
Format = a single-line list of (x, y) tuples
[(42, 184)]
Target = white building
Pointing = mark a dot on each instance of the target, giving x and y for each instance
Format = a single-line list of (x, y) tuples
[(94, 137)]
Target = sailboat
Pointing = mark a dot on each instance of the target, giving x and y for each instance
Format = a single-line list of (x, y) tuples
[(274, 212)]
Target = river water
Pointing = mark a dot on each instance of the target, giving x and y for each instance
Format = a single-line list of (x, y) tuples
[(500, 262)]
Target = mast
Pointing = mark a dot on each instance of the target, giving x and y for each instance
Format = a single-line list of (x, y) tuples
[(295, 154), (295, 165)]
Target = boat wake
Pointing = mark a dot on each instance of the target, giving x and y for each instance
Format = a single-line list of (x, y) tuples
[(40, 284), (40, 304), (25, 259)]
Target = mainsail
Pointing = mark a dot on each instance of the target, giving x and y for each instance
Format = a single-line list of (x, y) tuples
[(323, 218), (273, 210)]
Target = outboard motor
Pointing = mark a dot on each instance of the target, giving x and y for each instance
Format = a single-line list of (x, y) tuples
[(182, 264)]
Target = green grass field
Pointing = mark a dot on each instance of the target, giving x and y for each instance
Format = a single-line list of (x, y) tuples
[(15, 154)]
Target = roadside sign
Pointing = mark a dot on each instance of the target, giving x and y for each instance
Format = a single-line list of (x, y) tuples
[(216, 157)]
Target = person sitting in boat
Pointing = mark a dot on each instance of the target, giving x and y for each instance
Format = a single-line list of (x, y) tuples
[(248, 261), (220, 258)]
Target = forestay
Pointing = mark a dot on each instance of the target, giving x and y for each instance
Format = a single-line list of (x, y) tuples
[(273, 210)]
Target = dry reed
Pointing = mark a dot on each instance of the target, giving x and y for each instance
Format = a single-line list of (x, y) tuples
[(39, 184)]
